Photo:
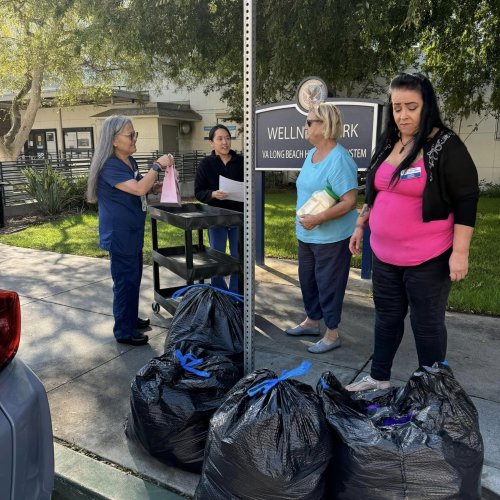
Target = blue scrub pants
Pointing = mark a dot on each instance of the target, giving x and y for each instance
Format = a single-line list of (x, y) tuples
[(323, 274), (126, 271), (218, 237)]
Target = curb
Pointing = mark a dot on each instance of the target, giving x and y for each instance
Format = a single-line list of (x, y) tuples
[(79, 477)]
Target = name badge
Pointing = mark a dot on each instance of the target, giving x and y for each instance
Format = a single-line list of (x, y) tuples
[(411, 173)]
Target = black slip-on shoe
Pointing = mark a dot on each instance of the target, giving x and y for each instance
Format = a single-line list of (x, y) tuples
[(142, 323), (140, 340)]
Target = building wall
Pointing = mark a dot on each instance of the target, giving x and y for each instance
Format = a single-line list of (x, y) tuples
[(483, 146), (212, 110), (481, 143), (148, 127)]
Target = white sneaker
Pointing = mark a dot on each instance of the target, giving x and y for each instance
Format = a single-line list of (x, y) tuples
[(367, 383)]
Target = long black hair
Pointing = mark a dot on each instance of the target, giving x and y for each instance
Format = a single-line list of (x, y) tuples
[(429, 119)]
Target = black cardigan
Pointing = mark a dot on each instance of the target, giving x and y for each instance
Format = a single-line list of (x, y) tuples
[(452, 181), (207, 179)]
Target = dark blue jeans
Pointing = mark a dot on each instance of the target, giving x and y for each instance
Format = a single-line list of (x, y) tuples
[(218, 237), (323, 274), (126, 271), (424, 289)]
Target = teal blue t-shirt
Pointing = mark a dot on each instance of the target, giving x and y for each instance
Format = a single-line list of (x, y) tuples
[(339, 171)]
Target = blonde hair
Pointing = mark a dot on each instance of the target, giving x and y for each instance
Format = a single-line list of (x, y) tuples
[(332, 118)]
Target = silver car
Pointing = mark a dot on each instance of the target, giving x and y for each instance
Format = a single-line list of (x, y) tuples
[(27, 450)]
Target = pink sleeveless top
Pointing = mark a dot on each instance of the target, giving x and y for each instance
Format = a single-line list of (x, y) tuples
[(398, 234)]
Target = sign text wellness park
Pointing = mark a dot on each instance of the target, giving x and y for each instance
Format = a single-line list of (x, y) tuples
[(282, 139)]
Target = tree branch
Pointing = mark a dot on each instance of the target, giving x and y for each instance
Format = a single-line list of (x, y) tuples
[(15, 113), (21, 125)]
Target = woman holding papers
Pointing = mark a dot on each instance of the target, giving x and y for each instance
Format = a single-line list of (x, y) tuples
[(222, 162), (323, 228), (120, 191)]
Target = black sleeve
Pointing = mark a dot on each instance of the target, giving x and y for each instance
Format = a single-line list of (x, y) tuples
[(461, 180), (202, 189)]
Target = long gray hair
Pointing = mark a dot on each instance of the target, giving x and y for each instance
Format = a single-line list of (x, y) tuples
[(104, 150)]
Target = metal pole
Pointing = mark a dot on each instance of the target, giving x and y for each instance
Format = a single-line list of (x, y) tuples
[(249, 18), (259, 217)]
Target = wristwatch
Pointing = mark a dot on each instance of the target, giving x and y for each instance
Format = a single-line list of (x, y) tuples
[(156, 167)]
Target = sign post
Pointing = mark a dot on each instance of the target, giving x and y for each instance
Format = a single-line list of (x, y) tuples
[(249, 17)]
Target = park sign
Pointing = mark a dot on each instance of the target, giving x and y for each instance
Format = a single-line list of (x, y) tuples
[(281, 135)]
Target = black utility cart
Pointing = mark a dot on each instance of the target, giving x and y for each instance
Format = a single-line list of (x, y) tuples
[(192, 262)]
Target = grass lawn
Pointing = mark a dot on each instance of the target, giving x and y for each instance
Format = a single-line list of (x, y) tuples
[(479, 293), (78, 235)]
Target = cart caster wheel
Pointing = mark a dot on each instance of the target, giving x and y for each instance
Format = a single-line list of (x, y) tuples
[(156, 307)]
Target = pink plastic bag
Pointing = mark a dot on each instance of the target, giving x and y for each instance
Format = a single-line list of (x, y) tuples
[(171, 191)]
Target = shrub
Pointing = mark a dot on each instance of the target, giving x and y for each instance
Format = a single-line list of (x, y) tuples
[(77, 200), (49, 188), (274, 180), (489, 189)]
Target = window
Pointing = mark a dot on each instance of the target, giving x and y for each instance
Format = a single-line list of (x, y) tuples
[(78, 139)]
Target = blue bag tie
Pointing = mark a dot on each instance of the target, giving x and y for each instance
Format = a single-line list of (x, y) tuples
[(189, 361), (399, 420), (267, 385), (182, 291), (323, 383)]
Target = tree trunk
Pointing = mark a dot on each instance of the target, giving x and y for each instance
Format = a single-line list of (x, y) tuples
[(11, 144)]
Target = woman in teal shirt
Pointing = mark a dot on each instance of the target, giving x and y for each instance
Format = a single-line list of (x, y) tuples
[(323, 238)]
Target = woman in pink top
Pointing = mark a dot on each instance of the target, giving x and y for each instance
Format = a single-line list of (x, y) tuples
[(421, 200)]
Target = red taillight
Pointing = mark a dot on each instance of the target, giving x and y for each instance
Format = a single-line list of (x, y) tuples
[(10, 325)]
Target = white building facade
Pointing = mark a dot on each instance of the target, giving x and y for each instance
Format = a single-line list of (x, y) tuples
[(178, 121)]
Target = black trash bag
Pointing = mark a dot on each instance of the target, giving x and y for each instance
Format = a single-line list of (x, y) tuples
[(208, 318), (418, 441), (172, 399), (273, 443)]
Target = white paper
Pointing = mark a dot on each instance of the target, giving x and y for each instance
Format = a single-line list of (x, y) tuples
[(234, 189)]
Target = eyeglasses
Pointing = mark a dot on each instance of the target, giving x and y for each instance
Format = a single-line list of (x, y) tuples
[(309, 122), (132, 136)]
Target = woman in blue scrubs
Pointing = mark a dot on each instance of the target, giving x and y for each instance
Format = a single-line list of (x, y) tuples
[(120, 192)]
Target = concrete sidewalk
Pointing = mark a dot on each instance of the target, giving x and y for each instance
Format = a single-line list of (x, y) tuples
[(67, 340)]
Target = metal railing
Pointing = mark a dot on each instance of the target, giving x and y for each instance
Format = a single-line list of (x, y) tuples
[(73, 166)]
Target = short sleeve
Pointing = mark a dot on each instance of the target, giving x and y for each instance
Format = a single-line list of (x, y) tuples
[(113, 173), (343, 175)]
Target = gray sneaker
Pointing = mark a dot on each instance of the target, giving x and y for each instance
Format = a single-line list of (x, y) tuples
[(368, 384), (302, 330), (321, 346)]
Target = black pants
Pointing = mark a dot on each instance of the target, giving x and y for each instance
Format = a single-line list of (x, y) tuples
[(424, 289), (323, 274)]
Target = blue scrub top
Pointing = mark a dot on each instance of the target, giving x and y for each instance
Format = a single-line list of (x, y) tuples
[(121, 218)]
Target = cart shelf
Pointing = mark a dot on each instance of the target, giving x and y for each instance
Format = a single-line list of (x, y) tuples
[(192, 262), (207, 262), (191, 216)]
